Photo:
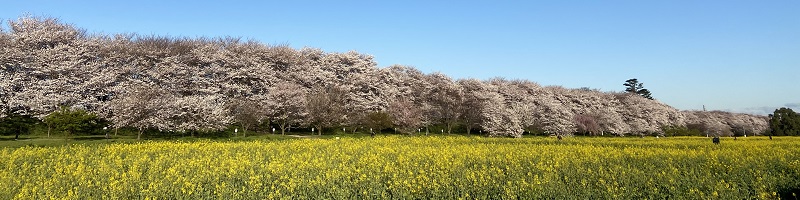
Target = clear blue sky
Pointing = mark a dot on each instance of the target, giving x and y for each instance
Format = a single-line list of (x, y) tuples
[(731, 55)]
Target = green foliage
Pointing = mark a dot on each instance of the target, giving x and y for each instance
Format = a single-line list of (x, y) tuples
[(784, 122), (634, 86), (74, 121), (378, 121), (16, 124), (645, 93), (688, 130)]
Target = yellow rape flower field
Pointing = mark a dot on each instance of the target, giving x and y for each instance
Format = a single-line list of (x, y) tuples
[(401, 167)]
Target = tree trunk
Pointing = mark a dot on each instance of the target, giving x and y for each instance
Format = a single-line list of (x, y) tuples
[(449, 128), (139, 137), (48, 130), (66, 135), (16, 135), (284, 125)]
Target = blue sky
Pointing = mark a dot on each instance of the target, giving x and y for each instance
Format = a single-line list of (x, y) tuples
[(741, 56)]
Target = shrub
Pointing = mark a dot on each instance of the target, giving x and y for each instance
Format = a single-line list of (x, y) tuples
[(74, 121), (16, 124)]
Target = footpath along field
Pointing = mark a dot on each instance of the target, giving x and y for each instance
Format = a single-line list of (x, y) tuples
[(398, 167)]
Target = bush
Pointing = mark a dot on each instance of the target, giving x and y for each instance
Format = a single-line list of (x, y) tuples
[(16, 124), (378, 121), (689, 130), (74, 121)]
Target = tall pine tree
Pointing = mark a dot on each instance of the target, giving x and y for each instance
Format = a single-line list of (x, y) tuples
[(634, 86)]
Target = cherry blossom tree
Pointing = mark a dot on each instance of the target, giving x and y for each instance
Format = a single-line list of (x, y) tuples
[(246, 112), (44, 66), (720, 123), (142, 107), (445, 99), (553, 111), (405, 115), (471, 107), (588, 123), (499, 117), (401, 84), (287, 105), (183, 84), (648, 116), (326, 107), (202, 113)]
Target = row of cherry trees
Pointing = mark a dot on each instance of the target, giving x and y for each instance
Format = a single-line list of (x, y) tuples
[(180, 84)]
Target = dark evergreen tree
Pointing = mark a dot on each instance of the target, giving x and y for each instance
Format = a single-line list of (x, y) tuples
[(634, 86)]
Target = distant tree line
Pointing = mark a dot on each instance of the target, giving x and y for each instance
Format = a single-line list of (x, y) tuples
[(187, 85)]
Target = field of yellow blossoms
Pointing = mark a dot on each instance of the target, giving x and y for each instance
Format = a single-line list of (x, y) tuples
[(400, 167)]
